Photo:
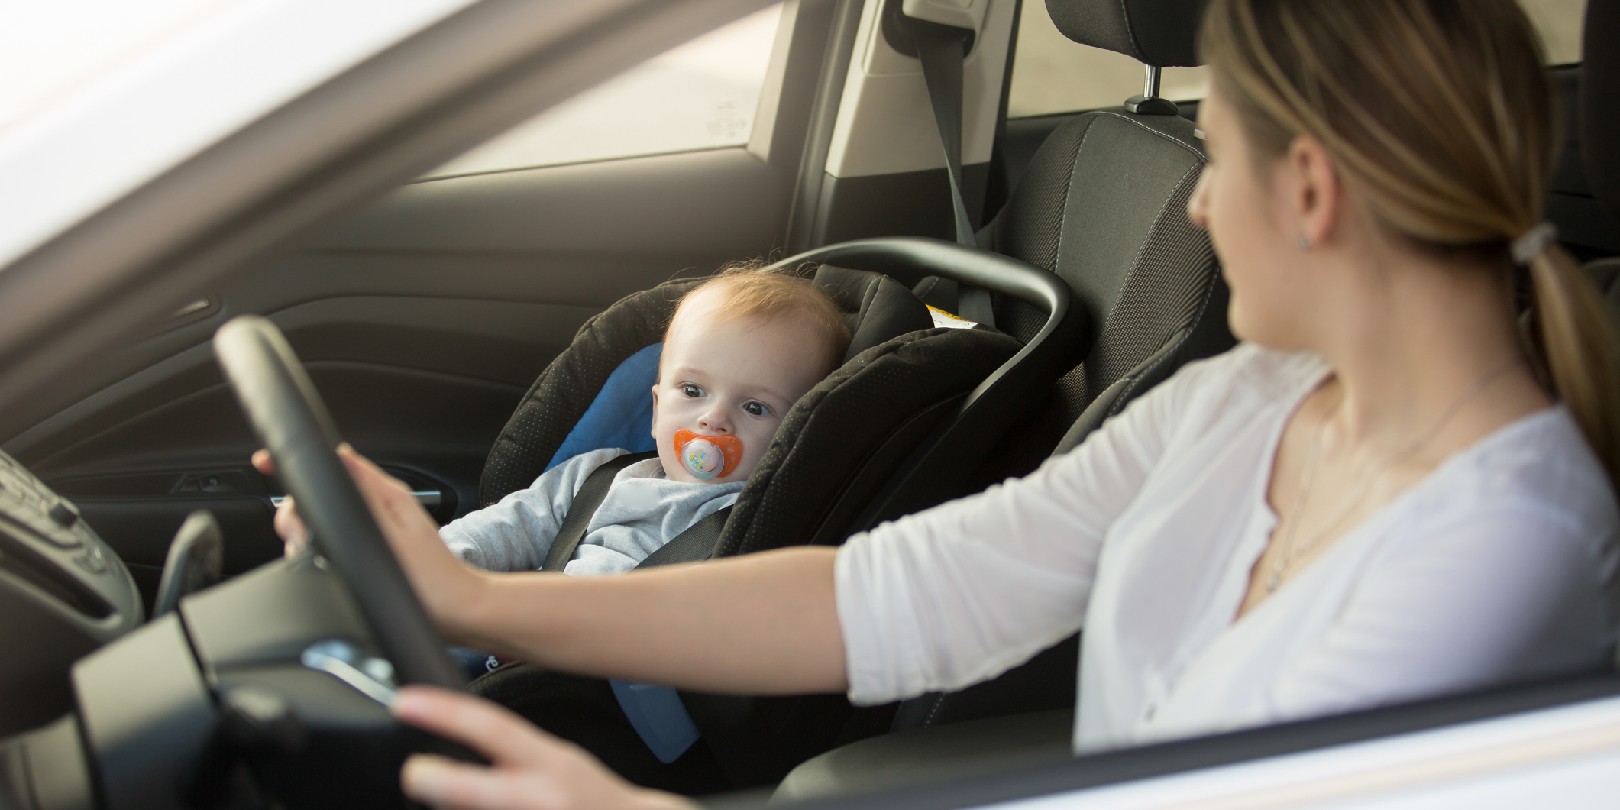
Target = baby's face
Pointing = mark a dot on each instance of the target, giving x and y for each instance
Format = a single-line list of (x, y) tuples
[(735, 377)]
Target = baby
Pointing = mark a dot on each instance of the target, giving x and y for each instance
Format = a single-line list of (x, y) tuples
[(739, 351)]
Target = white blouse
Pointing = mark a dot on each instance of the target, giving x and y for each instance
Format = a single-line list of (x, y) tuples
[(1500, 565)]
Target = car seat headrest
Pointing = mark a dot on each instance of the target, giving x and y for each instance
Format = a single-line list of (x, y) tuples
[(875, 308), (1600, 102), (1160, 33), (621, 413)]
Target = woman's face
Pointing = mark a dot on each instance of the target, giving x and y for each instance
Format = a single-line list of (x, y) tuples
[(1241, 204)]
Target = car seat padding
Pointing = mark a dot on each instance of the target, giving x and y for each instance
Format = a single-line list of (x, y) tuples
[(621, 413)]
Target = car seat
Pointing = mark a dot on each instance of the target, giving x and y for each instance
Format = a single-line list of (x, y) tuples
[(902, 380)]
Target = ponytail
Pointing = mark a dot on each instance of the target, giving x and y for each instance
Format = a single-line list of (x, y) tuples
[(1580, 349), (1365, 80)]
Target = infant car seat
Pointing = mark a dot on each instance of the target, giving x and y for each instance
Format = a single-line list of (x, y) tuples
[(903, 380)]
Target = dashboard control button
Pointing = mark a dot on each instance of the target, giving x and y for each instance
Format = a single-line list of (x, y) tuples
[(92, 560), (64, 515)]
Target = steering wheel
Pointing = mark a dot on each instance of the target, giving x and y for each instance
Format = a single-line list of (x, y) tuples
[(294, 425)]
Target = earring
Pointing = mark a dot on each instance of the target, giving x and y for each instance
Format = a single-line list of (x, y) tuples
[(1304, 243)]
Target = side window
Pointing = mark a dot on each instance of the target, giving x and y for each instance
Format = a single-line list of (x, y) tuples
[(702, 95), (1051, 74)]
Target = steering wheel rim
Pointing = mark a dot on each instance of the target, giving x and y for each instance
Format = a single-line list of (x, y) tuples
[(292, 422)]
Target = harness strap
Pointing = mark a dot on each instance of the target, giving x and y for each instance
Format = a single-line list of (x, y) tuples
[(694, 544), (736, 734), (586, 501)]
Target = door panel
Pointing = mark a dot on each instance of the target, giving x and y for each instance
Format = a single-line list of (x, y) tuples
[(422, 320)]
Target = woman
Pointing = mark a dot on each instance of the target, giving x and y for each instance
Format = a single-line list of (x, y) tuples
[(1385, 492)]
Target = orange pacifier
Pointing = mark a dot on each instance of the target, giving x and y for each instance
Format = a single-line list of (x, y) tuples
[(708, 457)]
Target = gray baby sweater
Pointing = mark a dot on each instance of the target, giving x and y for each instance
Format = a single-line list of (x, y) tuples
[(643, 510)]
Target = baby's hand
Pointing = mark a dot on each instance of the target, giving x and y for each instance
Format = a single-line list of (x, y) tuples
[(294, 534)]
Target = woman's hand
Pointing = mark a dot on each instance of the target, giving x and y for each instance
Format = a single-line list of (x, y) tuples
[(288, 524), (528, 767), (440, 580)]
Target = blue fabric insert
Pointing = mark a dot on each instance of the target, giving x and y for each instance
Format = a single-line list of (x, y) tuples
[(621, 414), (657, 714)]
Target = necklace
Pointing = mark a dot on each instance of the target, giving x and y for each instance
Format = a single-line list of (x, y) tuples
[(1290, 554)]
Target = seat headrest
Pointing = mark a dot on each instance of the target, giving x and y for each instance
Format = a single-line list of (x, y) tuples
[(1600, 102), (1161, 33)]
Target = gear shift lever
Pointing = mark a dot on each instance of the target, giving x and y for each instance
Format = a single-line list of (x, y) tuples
[(193, 562)]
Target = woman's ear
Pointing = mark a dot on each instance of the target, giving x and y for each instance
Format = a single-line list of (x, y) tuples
[(1315, 194)]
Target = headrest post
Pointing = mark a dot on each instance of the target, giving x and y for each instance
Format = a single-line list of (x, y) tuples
[(1149, 103), (1150, 88)]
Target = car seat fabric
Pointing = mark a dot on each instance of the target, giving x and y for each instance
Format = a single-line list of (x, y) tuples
[(941, 465), (621, 413), (1103, 205), (800, 483)]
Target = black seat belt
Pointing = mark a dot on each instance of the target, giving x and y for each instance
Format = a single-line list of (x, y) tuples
[(694, 544), (584, 505), (942, 49)]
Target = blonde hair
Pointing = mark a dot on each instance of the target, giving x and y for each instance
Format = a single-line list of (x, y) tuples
[(1439, 116), (753, 291)]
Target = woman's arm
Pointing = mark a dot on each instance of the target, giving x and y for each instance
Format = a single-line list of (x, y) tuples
[(759, 623)]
